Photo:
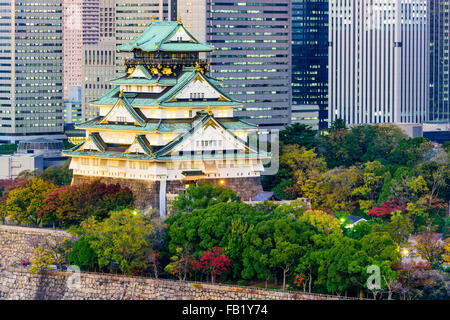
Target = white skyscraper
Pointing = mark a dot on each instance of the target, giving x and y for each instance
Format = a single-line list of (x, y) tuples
[(378, 61)]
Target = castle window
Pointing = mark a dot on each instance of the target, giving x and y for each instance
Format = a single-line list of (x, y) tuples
[(143, 165)]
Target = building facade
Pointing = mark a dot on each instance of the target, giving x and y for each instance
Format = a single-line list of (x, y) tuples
[(439, 28), (378, 61), (166, 123), (310, 62), (31, 70), (253, 57)]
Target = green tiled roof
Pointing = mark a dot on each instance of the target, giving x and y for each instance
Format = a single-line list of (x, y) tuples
[(133, 112), (161, 81), (185, 79), (155, 38), (95, 137), (110, 98), (143, 142), (166, 125)]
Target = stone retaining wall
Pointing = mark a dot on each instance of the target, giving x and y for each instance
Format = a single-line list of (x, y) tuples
[(19, 284), (18, 243)]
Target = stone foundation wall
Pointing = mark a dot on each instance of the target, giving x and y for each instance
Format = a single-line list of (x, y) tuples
[(18, 243), (246, 188), (19, 284), (147, 192)]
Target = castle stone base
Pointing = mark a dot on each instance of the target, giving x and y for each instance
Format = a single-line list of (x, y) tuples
[(146, 192)]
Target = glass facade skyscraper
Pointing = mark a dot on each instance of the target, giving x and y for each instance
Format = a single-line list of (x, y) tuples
[(439, 104), (252, 57), (310, 60), (31, 69)]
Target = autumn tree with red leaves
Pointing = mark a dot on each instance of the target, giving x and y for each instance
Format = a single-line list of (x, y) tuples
[(386, 208), (214, 263), (70, 205)]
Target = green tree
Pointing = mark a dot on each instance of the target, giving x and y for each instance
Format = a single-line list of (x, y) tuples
[(400, 228), (300, 134), (59, 175), (23, 204), (201, 196), (82, 253), (121, 238)]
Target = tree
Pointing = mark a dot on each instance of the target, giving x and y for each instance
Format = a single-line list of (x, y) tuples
[(214, 263), (299, 134), (333, 189), (69, 205), (324, 222), (182, 263), (121, 238), (59, 175), (291, 241), (41, 259), (428, 244), (386, 208), (297, 164), (152, 260), (201, 196), (6, 185), (373, 177), (400, 227), (446, 255), (82, 253), (23, 204)]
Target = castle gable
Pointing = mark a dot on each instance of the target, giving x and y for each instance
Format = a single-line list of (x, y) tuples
[(123, 112), (207, 135)]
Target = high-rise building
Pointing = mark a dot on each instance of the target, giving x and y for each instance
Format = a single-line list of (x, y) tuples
[(72, 44), (378, 61), (253, 56), (31, 70), (99, 65), (194, 14), (118, 22), (310, 62), (439, 28)]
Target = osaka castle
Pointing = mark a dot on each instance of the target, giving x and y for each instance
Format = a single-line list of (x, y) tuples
[(166, 124)]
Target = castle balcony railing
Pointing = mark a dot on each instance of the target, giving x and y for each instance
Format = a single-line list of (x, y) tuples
[(147, 61)]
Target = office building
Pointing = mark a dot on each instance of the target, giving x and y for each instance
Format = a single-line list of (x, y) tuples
[(253, 57), (31, 70), (439, 28), (310, 62), (378, 61)]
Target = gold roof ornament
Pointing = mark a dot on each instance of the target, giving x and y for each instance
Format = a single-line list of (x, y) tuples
[(179, 20), (167, 71), (198, 67), (121, 93), (153, 18), (208, 109)]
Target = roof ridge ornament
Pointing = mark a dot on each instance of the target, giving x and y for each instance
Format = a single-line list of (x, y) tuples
[(208, 109), (153, 18), (179, 19)]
